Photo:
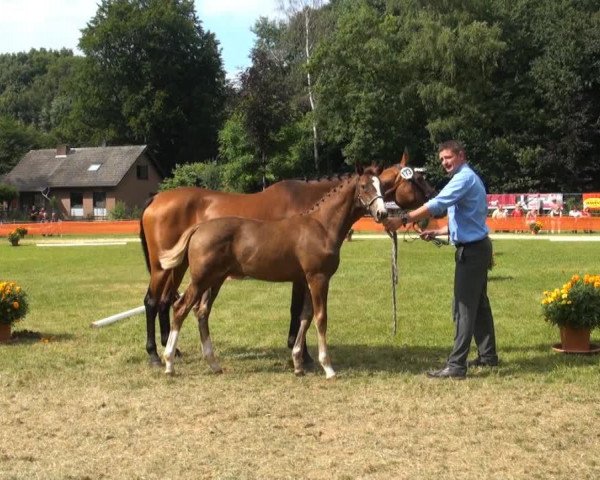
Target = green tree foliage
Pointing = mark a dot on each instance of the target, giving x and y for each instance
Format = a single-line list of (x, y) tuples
[(515, 80), (17, 139), (7, 193), (33, 84), (205, 175), (151, 75)]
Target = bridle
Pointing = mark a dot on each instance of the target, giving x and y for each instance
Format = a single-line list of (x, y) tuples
[(367, 205), (408, 174)]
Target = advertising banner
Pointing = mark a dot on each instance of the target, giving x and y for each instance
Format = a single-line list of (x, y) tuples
[(591, 201)]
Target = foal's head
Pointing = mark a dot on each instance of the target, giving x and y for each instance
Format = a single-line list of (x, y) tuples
[(369, 192), (406, 186)]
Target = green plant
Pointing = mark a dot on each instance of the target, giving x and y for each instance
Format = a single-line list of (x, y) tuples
[(13, 302), (14, 237), (119, 212), (576, 304), (21, 231), (536, 226)]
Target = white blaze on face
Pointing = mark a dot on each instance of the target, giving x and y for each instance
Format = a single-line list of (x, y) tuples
[(378, 209)]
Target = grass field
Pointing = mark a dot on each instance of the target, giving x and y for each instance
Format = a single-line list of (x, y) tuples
[(82, 403)]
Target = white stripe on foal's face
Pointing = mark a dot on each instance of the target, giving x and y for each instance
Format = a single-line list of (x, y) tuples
[(378, 206)]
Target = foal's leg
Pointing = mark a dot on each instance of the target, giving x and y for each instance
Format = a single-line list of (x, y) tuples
[(180, 310), (202, 311), (168, 298), (319, 288), (299, 292), (300, 343)]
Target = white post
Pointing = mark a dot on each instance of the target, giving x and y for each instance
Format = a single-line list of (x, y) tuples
[(118, 316)]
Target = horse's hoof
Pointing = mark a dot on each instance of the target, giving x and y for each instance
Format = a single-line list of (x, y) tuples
[(154, 361), (307, 359), (299, 373)]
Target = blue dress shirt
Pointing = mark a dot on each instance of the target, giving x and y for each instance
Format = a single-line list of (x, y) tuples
[(465, 199)]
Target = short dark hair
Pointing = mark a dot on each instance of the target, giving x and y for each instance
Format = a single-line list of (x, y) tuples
[(454, 145)]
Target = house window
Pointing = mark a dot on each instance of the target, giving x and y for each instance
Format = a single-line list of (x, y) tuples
[(94, 167), (99, 204), (142, 172), (76, 204)]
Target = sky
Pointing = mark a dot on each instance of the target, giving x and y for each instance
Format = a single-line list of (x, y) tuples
[(56, 24)]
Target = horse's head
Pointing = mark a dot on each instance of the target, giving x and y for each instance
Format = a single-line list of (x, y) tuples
[(369, 192), (405, 185)]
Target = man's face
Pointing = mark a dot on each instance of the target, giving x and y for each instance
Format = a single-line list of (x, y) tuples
[(451, 161)]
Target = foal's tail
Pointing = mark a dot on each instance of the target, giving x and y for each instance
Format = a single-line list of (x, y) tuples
[(174, 256)]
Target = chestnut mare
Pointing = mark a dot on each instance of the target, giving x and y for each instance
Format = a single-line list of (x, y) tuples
[(170, 213), (303, 248)]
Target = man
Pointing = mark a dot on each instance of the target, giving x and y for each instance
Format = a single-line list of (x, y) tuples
[(464, 198)]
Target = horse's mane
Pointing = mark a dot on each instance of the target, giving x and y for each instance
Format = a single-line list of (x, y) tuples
[(344, 180)]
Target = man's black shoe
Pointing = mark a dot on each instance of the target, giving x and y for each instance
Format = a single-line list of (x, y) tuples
[(479, 362), (447, 372)]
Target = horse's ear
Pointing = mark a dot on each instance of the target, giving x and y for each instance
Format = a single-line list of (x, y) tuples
[(404, 161), (359, 168), (378, 169)]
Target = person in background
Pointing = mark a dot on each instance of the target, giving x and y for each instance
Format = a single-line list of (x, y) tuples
[(518, 213), (464, 197), (33, 213), (586, 214), (530, 217), (555, 213), (498, 212)]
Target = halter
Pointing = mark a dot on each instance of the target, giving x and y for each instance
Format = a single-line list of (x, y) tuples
[(408, 174), (368, 205)]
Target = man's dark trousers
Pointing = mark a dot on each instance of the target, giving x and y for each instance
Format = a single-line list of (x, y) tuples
[(471, 308)]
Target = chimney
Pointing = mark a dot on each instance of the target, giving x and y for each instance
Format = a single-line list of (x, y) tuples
[(62, 151)]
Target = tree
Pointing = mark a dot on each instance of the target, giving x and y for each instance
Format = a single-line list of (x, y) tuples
[(151, 75), (304, 16), (205, 175), (265, 104), (17, 139)]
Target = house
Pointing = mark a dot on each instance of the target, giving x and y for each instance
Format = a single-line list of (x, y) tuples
[(84, 183)]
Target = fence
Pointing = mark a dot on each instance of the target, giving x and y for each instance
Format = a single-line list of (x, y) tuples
[(132, 227)]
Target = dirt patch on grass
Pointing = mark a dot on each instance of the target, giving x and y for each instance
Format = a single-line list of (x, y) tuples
[(272, 425)]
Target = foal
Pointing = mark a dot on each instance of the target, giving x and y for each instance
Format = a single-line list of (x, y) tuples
[(303, 248)]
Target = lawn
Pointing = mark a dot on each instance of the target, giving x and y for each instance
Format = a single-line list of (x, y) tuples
[(80, 403)]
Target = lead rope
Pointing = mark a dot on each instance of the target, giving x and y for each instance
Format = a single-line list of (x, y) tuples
[(394, 236)]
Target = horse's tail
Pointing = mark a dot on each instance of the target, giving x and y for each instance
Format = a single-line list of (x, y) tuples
[(174, 256), (143, 235)]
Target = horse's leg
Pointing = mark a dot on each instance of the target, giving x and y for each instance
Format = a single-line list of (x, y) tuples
[(299, 291), (202, 311), (169, 296), (300, 343), (151, 307), (180, 310), (319, 288)]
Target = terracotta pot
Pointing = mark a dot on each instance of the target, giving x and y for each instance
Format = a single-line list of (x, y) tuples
[(5, 332), (575, 339)]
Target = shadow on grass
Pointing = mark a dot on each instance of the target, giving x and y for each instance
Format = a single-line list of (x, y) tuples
[(500, 278), (410, 359), (27, 337)]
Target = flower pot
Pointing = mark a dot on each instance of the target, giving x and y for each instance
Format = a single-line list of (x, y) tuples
[(576, 340), (5, 332)]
